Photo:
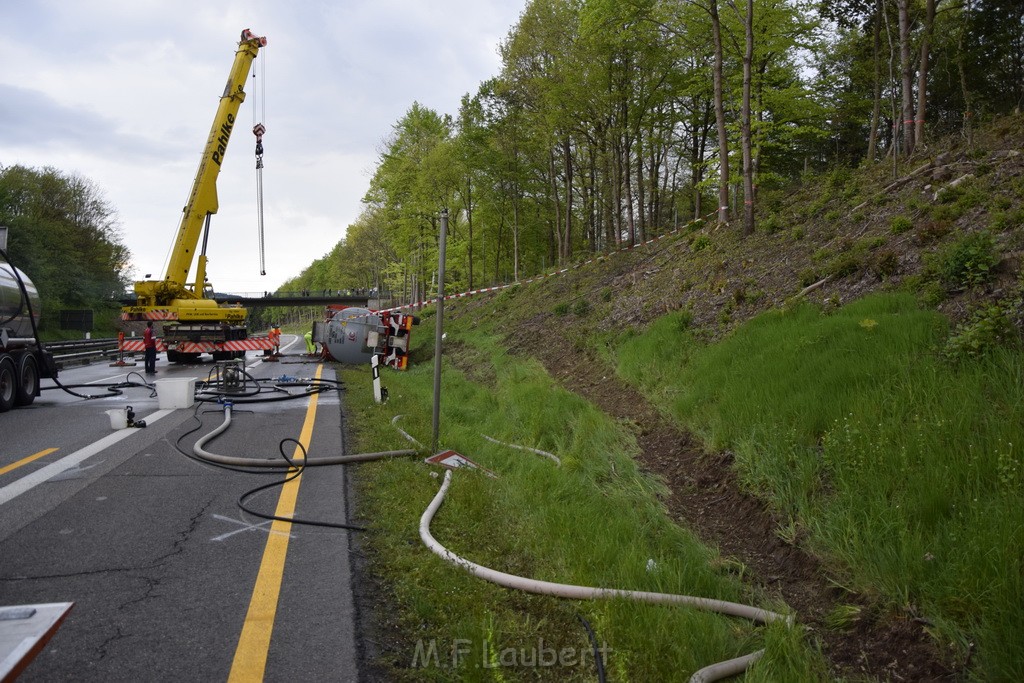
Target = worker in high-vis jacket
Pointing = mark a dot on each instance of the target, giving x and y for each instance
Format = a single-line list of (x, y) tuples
[(275, 336), (310, 346)]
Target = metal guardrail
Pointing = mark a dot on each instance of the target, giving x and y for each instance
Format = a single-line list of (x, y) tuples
[(82, 351)]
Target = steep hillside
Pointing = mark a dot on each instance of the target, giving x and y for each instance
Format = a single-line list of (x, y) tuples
[(858, 230), (949, 228)]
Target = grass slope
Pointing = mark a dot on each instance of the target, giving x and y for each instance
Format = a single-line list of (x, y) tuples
[(885, 430), (593, 521), (901, 467)]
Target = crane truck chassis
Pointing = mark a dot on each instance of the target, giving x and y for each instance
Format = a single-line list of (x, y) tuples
[(192, 322)]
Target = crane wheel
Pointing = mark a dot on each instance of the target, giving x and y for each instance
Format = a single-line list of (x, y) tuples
[(179, 357)]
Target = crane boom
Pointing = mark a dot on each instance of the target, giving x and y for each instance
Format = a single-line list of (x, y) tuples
[(202, 201)]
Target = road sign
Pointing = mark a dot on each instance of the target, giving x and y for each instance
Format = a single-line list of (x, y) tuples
[(453, 460)]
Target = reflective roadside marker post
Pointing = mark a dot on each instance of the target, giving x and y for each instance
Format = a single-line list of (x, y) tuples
[(439, 332), (380, 394)]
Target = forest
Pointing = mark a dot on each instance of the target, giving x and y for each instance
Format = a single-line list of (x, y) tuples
[(611, 122), (64, 233)]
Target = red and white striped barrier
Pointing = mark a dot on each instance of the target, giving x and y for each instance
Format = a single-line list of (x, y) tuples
[(542, 276), (137, 345), (249, 344)]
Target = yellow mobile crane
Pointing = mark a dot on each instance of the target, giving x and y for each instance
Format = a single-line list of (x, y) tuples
[(193, 322)]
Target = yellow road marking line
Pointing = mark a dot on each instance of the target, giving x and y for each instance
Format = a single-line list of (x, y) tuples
[(25, 461), (254, 642)]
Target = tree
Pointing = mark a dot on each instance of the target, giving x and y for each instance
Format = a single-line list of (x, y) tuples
[(64, 234)]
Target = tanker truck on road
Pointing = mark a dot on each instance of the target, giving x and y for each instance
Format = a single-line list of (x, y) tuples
[(23, 360)]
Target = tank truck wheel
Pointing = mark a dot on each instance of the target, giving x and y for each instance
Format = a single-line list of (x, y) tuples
[(8, 382), (28, 380)]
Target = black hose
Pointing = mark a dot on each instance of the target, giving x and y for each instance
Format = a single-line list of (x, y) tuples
[(598, 659), (289, 466), (315, 386), (114, 388), (298, 470)]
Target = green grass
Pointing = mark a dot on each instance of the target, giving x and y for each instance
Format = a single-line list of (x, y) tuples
[(904, 469), (594, 521)]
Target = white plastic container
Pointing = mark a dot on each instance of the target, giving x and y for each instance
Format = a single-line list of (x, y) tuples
[(176, 392), (118, 418)]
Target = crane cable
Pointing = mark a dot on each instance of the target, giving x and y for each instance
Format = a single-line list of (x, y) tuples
[(258, 129)]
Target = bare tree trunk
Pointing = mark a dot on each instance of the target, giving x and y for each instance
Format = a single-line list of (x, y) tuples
[(967, 129), (723, 135), (628, 176), (748, 167), (698, 168), (607, 191), (554, 246), (589, 195), (641, 184), (617, 190), (893, 107), (565, 248), (663, 192), (922, 74), (515, 235), (876, 109), (497, 249), (469, 217), (907, 69)]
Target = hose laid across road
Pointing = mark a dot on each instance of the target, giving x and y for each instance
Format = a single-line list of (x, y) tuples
[(234, 461)]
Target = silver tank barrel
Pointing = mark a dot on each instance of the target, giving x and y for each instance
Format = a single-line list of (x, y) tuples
[(349, 335), (13, 311)]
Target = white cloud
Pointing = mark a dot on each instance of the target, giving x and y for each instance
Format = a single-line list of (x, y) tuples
[(123, 93)]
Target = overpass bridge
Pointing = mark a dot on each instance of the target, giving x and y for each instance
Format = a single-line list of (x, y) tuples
[(305, 297)]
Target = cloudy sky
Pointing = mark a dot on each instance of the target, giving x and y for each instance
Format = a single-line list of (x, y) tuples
[(123, 93)]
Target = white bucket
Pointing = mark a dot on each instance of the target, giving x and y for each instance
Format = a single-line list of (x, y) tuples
[(176, 392), (118, 418)]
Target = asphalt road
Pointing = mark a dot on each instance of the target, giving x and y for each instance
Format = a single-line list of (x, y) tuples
[(170, 579)]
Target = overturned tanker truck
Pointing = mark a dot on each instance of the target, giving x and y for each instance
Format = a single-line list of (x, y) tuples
[(23, 360), (357, 335)]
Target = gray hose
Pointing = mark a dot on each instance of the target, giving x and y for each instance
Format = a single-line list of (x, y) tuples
[(202, 454), (407, 435), (550, 456), (710, 673), (730, 667)]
